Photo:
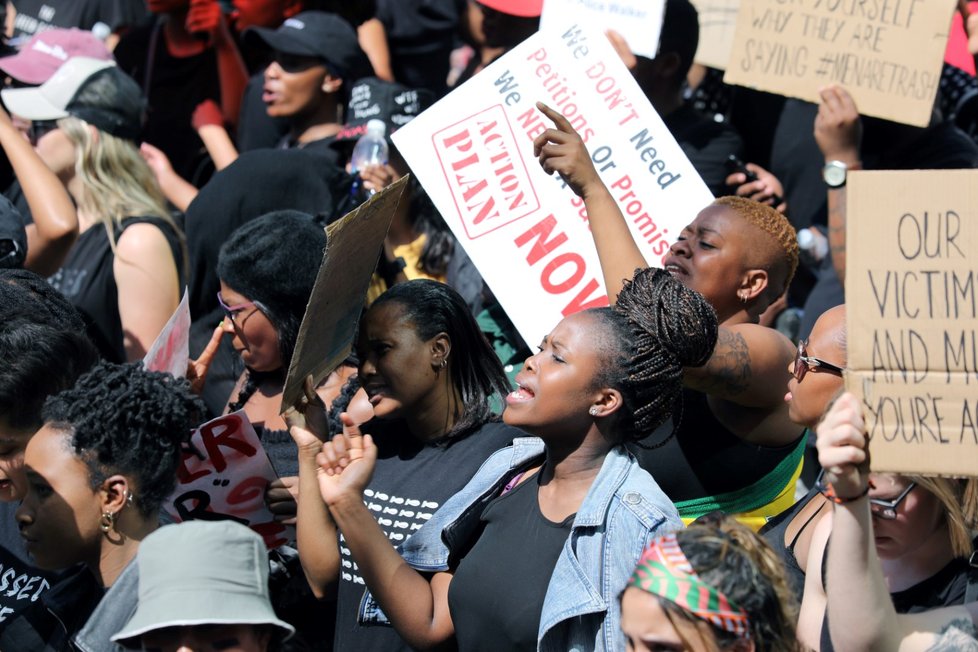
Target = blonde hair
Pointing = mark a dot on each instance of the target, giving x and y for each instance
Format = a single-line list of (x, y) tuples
[(959, 503), (116, 181)]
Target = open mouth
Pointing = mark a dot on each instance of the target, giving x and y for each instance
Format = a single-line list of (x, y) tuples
[(520, 394)]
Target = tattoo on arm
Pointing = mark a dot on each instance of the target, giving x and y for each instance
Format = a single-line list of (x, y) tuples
[(729, 368), (956, 636)]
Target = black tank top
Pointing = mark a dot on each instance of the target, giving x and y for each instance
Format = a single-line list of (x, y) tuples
[(86, 278), (774, 533), (704, 458)]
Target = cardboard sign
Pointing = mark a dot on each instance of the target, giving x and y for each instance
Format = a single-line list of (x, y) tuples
[(170, 352), (527, 232), (20, 585), (887, 53), (638, 21), (718, 21), (912, 317), (329, 325), (225, 478)]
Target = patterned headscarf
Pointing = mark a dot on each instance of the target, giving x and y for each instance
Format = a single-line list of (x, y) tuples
[(664, 570)]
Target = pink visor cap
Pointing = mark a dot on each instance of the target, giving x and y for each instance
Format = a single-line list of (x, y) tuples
[(41, 56)]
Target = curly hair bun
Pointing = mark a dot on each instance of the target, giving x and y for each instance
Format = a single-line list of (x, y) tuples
[(680, 319)]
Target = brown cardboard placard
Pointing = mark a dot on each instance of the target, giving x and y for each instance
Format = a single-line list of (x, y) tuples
[(887, 53), (329, 325), (912, 317), (718, 20)]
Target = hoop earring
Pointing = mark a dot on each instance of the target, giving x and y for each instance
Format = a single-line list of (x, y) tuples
[(107, 522)]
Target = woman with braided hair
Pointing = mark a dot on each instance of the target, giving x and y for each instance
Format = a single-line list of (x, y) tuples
[(735, 448), (533, 552), (98, 471), (714, 586)]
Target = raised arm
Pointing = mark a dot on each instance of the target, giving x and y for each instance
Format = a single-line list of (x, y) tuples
[(206, 17), (55, 225), (416, 605), (563, 151)]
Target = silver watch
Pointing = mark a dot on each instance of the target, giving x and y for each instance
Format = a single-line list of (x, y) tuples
[(834, 174)]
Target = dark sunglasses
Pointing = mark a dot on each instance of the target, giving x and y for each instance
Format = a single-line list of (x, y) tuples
[(39, 128), (805, 363), (296, 62)]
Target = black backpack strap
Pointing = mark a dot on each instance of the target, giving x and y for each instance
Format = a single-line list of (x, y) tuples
[(971, 592)]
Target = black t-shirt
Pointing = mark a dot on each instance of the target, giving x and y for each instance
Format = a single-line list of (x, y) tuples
[(38, 15), (174, 86), (87, 279), (707, 144), (496, 596), (411, 481), (421, 35), (943, 589)]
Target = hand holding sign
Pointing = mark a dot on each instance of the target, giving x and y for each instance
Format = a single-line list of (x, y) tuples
[(842, 447), (562, 150), (282, 499), (346, 462), (838, 129)]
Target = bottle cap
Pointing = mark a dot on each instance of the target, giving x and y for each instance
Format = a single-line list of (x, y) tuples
[(805, 239), (377, 127)]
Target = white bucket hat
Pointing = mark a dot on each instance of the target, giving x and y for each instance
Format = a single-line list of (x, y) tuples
[(201, 573)]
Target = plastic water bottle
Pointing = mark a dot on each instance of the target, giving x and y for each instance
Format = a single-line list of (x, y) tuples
[(371, 149)]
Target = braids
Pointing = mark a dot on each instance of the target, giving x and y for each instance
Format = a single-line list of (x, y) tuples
[(785, 259), (662, 327), (124, 419), (730, 557)]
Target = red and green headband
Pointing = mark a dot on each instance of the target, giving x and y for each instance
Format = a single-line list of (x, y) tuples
[(664, 571)]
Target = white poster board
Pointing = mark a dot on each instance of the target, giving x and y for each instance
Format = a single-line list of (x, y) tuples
[(527, 232), (638, 21)]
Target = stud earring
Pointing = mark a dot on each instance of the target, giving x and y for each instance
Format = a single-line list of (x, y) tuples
[(593, 411)]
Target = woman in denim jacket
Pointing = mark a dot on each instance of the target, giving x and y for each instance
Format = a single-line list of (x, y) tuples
[(534, 552)]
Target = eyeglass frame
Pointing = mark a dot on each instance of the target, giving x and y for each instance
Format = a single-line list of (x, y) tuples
[(811, 363), (885, 510), (231, 311)]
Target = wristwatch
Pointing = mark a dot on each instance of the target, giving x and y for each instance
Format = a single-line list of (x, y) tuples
[(834, 174)]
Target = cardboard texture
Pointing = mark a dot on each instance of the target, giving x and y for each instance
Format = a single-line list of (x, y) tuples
[(329, 325), (227, 480), (912, 317), (718, 21), (170, 351), (526, 232), (887, 53), (638, 21)]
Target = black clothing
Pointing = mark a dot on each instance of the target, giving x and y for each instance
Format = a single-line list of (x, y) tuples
[(420, 35), (943, 589), (496, 596), (258, 182), (38, 15), (774, 533), (281, 450), (704, 458), (48, 624), (88, 280), (411, 481), (707, 144), (21, 584), (174, 86)]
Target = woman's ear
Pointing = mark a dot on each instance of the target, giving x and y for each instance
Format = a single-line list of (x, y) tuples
[(115, 494), (753, 284), (441, 348), (607, 403), (331, 84)]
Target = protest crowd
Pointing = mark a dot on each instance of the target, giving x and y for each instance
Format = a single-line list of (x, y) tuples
[(277, 372)]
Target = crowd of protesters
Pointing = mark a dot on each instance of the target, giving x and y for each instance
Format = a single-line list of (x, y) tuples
[(678, 471)]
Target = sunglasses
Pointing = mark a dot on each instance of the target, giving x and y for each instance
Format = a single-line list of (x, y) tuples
[(39, 128), (805, 363), (232, 311), (292, 63), (882, 509)]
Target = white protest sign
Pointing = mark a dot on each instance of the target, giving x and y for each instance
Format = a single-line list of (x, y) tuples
[(638, 21), (170, 351), (527, 232), (718, 22), (225, 477)]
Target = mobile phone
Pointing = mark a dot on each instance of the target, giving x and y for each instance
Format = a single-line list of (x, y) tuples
[(734, 164)]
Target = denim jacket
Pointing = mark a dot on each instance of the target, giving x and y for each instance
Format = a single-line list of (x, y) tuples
[(623, 511)]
